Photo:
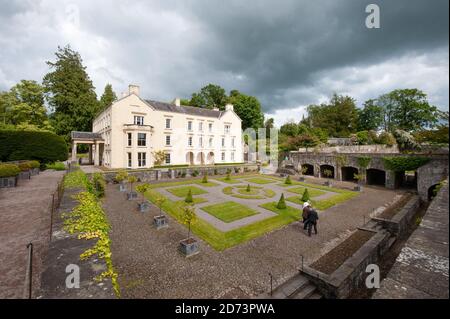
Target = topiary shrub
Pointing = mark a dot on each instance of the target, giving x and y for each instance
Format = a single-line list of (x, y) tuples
[(121, 176), (205, 178), (305, 196), (228, 177), (45, 147), (57, 166), (281, 203), (8, 170), (99, 183), (248, 188), (189, 198), (34, 164), (288, 180), (24, 166)]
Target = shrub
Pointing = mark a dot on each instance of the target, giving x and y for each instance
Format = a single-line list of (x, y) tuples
[(34, 164), (189, 198), (248, 188), (281, 203), (45, 147), (24, 166), (7, 170), (121, 176), (76, 179), (99, 183), (405, 141), (305, 196), (228, 177), (195, 173), (205, 178), (132, 179), (288, 180), (386, 138), (362, 137), (400, 163), (57, 166)]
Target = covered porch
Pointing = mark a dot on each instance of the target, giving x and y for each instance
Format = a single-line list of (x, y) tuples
[(94, 141)]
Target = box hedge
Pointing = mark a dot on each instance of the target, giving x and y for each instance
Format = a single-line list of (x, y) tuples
[(7, 170), (45, 147)]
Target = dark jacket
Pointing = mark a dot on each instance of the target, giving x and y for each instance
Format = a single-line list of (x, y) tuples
[(313, 216), (305, 214)]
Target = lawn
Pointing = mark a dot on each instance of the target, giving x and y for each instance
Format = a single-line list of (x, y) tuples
[(183, 191), (229, 211), (312, 191), (217, 239), (259, 180), (228, 181), (325, 203), (197, 200)]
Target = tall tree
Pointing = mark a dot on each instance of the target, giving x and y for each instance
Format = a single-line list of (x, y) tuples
[(339, 117), (70, 93), (370, 117), (108, 97), (269, 124), (210, 96), (248, 109), (24, 105)]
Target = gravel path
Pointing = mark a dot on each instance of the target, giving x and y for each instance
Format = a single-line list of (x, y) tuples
[(24, 218), (150, 265)]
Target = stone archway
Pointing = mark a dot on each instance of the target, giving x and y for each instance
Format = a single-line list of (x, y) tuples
[(210, 158), (325, 167), (348, 173), (376, 177), (190, 158), (432, 191), (309, 169), (200, 158)]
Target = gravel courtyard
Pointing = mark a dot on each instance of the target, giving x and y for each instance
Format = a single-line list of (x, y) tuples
[(150, 265)]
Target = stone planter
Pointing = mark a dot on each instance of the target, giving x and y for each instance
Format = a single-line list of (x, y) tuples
[(328, 183), (144, 207), (358, 188), (122, 187), (10, 181), (25, 175), (132, 195), (34, 171), (189, 247), (301, 179), (160, 221)]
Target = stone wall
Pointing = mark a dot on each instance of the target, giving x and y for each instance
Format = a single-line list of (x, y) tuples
[(431, 174), (376, 148)]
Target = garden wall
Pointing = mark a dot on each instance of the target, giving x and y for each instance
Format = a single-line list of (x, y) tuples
[(352, 272)]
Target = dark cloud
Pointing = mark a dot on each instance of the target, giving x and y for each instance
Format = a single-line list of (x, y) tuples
[(288, 53)]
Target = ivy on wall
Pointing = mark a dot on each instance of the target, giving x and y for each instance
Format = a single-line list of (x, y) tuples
[(404, 163), (363, 161)]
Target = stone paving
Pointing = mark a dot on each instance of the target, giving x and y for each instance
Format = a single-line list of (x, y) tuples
[(24, 218), (150, 265), (215, 195)]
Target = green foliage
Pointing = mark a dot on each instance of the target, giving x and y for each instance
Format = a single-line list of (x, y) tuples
[(341, 160), (327, 173), (281, 203), (121, 176), (209, 97), (188, 217), (362, 138), (195, 173), (228, 177), (305, 196), (370, 117), (358, 177), (76, 179), (70, 93), (248, 109), (386, 138), (99, 184), (159, 157), (34, 164), (57, 166), (141, 189), (363, 161), (189, 198), (108, 97), (7, 170), (205, 178), (248, 189), (89, 221), (437, 136), (288, 181), (404, 163), (24, 166), (45, 147)]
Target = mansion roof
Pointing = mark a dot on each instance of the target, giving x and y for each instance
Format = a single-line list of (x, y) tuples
[(85, 135), (189, 110)]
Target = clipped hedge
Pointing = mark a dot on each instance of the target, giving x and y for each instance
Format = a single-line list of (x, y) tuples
[(400, 164), (45, 147), (7, 170)]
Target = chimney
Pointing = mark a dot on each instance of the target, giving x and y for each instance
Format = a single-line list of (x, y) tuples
[(229, 107), (133, 89), (177, 101)]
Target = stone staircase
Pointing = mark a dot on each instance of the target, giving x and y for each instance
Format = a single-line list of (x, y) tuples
[(297, 287)]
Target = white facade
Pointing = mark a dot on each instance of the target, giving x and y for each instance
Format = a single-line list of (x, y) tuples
[(133, 129)]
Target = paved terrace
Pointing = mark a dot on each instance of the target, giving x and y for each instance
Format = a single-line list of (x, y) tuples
[(421, 269)]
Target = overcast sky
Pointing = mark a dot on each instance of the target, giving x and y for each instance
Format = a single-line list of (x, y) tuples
[(288, 53)]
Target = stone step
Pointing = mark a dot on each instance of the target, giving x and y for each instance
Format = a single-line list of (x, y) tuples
[(290, 287), (303, 293), (315, 295), (391, 241)]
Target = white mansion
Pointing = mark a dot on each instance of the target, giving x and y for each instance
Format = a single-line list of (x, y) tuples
[(129, 131)]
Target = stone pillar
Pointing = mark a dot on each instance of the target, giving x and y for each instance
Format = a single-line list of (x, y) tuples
[(172, 174), (316, 170), (90, 154), (97, 155), (74, 152), (158, 175), (390, 180)]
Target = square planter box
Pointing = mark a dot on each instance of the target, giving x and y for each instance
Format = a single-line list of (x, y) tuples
[(301, 179), (189, 247), (358, 188), (122, 187), (10, 181), (25, 175), (144, 207), (328, 183), (34, 171), (131, 195), (160, 221)]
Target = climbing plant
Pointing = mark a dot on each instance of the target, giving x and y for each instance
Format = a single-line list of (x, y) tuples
[(341, 160), (363, 161), (404, 163)]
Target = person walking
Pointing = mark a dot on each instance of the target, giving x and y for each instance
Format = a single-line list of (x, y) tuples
[(305, 214), (313, 217)]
